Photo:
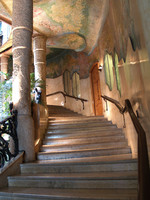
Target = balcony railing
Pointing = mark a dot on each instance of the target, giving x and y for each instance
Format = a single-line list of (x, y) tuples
[(8, 138)]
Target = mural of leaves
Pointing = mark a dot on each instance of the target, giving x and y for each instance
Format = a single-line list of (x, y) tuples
[(117, 74), (108, 68)]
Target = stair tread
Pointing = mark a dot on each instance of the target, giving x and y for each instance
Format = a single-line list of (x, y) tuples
[(77, 121), (89, 194), (103, 126), (94, 123), (74, 147), (85, 130), (82, 140), (87, 150), (89, 161), (86, 176), (78, 152), (63, 136)]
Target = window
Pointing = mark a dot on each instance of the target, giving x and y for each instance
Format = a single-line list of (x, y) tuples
[(108, 68), (1, 36), (76, 85), (0, 28), (66, 80)]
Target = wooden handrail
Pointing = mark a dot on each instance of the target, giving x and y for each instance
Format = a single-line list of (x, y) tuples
[(67, 95), (143, 159), (117, 104)]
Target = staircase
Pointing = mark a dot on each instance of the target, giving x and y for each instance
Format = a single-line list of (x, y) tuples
[(82, 158)]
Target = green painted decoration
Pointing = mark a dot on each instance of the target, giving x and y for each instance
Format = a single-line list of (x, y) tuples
[(66, 81), (76, 85), (108, 68), (117, 74)]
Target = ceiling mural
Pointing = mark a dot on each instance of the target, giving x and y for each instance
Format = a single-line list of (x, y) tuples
[(67, 41), (118, 32), (73, 24)]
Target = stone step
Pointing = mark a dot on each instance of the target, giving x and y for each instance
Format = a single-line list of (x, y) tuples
[(23, 193), (96, 159), (66, 148), (79, 139), (82, 153), (82, 167), (82, 134), (81, 126), (76, 120), (83, 129), (63, 112), (58, 108), (77, 180), (80, 123), (83, 160), (64, 115)]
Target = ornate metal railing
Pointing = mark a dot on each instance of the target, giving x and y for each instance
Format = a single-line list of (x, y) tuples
[(143, 159), (8, 138), (67, 95)]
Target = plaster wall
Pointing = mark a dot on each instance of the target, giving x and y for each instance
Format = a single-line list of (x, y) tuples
[(123, 34), (134, 76), (54, 85), (144, 7), (77, 106)]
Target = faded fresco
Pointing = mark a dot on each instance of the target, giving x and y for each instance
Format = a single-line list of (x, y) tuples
[(119, 28), (72, 61), (67, 25)]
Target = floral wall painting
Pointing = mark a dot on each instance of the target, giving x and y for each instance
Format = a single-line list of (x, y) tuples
[(118, 83), (66, 81), (76, 85), (108, 69), (69, 25)]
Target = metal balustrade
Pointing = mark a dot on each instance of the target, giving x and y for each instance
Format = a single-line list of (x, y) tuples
[(8, 138)]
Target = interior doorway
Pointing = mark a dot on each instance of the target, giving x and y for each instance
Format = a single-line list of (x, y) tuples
[(96, 90)]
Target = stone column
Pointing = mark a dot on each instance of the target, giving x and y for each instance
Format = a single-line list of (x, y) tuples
[(39, 49), (22, 27), (4, 66)]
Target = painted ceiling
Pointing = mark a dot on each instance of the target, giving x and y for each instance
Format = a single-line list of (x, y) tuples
[(73, 24)]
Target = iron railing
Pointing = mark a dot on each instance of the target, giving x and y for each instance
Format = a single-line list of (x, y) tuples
[(8, 138), (67, 95), (143, 159)]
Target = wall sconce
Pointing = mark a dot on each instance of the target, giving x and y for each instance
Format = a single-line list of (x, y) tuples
[(100, 67)]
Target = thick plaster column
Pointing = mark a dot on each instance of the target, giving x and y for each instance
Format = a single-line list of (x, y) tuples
[(22, 27), (4, 66), (39, 49)]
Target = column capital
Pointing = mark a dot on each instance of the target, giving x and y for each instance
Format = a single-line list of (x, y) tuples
[(38, 35), (4, 56)]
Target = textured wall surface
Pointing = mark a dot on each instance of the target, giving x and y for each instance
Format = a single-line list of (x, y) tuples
[(123, 35)]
